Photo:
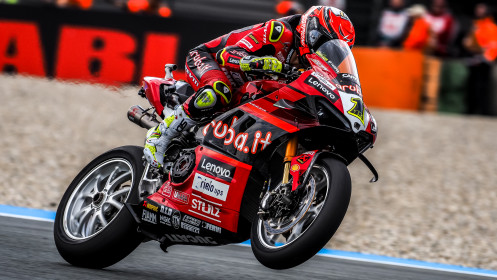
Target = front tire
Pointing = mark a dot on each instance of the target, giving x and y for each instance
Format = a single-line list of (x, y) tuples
[(320, 222), (92, 227)]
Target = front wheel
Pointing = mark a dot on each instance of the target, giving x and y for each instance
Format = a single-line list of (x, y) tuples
[(92, 227), (289, 238)]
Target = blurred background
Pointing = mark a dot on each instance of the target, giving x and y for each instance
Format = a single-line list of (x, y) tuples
[(450, 46), (72, 68)]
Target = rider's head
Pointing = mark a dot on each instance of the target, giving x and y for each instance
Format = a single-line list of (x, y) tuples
[(321, 24)]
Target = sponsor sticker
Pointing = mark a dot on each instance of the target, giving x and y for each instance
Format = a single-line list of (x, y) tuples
[(198, 61), (181, 196), (220, 130), (191, 220), (216, 168), (191, 76), (165, 220), (253, 38), (166, 189), (185, 238), (210, 187), (149, 217), (165, 210), (206, 209), (176, 219), (233, 60), (295, 167), (246, 43), (303, 158), (211, 227), (352, 89), (237, 53), (322, 86), (150, 206), (190, 228), (349, 76)]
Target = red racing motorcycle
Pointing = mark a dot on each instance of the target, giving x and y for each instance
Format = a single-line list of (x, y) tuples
[(273, 169)]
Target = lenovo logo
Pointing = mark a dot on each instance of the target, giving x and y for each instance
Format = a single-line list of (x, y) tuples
[(216, 168), (321, 87)]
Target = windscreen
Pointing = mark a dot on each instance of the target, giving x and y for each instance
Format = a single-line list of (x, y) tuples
[(339, 56)]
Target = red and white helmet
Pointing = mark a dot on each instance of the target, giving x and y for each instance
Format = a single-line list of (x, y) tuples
[(321, 24)]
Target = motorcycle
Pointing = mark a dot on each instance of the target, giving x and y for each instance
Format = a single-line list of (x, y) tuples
[(272, 170)]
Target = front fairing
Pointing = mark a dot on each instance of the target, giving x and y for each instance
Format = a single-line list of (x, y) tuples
[(247, 131), (333, 64)]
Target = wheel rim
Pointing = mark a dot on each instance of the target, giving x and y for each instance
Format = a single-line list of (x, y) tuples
[(97, 199), (321, 178)]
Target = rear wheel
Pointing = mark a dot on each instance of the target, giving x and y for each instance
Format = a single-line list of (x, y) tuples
[(288, 237), (92, 227)]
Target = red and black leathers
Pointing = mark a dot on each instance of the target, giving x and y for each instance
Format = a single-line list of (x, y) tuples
[(215, 64)]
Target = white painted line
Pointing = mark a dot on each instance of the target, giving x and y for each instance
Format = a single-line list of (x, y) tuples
[(428, 266), (26, 217)]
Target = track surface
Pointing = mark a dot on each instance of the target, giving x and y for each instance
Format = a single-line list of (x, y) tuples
[(27, 251)]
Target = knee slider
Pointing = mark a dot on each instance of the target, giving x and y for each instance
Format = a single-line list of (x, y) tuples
[(205, 99)]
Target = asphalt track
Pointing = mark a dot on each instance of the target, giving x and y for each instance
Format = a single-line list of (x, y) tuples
[(27, 251)]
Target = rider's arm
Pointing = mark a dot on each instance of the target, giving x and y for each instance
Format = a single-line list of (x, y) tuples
[(262, 44)]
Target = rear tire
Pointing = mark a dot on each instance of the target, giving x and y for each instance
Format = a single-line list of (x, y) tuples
[(316, 233), (92, 227)]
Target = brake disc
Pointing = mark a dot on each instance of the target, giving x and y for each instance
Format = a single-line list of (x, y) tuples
[(280, 225)]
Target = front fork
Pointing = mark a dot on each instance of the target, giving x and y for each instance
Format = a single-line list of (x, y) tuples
[(290, 153), (270, 199)]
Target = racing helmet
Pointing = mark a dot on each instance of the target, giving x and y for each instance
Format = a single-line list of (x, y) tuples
[(321, 24)]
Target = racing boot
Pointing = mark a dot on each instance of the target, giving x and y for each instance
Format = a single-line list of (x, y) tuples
[(159, 137)]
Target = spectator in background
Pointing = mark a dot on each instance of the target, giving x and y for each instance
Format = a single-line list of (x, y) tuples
[(393, 23), (159, 7), (288, 8), (82, 4), (482, 42), (442, 25), (419, 36)]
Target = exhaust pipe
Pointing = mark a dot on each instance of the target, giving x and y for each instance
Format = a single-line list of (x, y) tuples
[(141, 117)]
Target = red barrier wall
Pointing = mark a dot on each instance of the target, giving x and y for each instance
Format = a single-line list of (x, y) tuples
[(115, 48)]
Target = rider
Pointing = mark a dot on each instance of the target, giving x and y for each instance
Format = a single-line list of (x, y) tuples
[(218, 68)]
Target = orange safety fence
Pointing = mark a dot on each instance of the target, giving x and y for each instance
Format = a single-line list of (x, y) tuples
[(390, 79)]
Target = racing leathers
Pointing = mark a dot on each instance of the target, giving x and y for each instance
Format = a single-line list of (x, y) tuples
[(217, 69)]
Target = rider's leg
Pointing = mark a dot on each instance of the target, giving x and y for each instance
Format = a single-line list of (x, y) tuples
[(213, 93), (202, 105), (159, 137)]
